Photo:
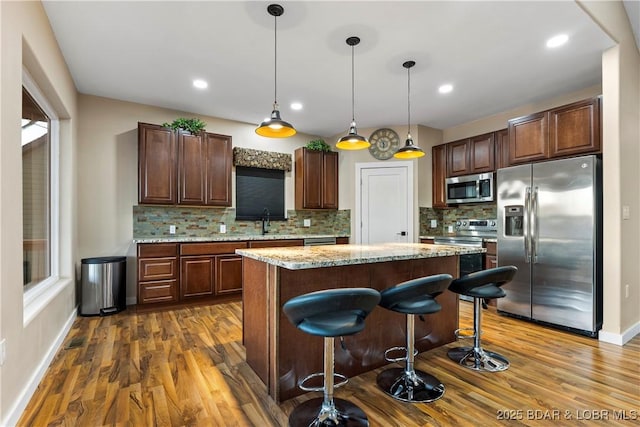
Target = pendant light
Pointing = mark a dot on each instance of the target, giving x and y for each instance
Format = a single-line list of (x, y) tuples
[(352, 141), (275, 127), (409, 151)]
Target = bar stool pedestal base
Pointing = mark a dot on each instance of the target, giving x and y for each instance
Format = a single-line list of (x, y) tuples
[(416, 386), (344, 413), (478, 359)]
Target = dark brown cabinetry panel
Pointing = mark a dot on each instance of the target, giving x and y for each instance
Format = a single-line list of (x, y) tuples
[(565, 131), (528, 138), (197, 275), (229, 274), (342, 240), (219, 156), (156, 165), (330, 180), (458, 158), (502, 148), (575, 128), (491, 259), (427, 241), (191, 169), (176, 167), (316, 179), (482, 151), (157, 273), (439, 173)]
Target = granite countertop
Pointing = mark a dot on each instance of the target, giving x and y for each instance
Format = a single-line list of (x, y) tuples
[(229, 238), (303, 257)]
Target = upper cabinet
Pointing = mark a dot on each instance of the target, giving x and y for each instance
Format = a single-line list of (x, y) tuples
[(316, 179), (564, 131), (156, 165), (178, 167), (439, 173), (471, 155)]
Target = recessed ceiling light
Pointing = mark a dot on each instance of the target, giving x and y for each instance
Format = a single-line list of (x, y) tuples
[(296, 106), (446, 88), (557, 41), (200, 84)]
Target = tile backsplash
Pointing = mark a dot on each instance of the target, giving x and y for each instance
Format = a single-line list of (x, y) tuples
[(448, 216), (154, 221)]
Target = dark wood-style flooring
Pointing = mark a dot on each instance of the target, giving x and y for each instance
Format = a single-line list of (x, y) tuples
[(186, 367)]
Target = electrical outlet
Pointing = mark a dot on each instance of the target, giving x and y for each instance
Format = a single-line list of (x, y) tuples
[(307, 223), (172, 229), (434, 223), (3, 351), (626, 291), (626, 212), (223, 228)]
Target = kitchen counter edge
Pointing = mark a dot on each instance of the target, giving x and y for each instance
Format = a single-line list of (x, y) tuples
[(231, 238)]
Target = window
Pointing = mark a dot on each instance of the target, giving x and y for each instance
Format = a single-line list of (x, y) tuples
[(258, 192), (36, 192)]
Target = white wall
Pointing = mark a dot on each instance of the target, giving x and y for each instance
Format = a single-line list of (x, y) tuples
[(28, 41), (621, 135)]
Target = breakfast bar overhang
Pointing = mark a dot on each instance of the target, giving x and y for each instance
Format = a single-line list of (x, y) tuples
[(281, 355)]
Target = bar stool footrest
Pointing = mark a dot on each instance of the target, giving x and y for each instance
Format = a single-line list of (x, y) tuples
[(462, 333), (301, 383), (397, 359)]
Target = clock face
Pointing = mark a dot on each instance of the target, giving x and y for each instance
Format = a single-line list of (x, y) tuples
[(384, 143)]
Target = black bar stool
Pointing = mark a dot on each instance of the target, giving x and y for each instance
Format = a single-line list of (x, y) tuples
[(412, 297), (330, 313), (480, 285)]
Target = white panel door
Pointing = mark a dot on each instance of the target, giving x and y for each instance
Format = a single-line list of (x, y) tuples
[(384, 205)]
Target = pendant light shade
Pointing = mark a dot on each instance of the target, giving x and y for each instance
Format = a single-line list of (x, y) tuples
[(410, 150), (274, 126), (352, 141)]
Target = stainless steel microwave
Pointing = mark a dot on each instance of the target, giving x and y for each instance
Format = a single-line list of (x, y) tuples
[(470, 188)]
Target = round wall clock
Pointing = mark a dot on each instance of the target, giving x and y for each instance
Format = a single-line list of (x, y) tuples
[(384, 143)]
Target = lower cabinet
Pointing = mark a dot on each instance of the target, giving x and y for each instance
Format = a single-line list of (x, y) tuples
[(491, 258), (157, 273), (197, 276)]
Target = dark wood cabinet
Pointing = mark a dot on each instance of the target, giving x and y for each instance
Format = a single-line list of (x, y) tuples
[(197, 276), (275, 243), (471, 155), (219, 157), (157, 273), (458, 158), (176, 167), (560, 132), (228, 274), (156, 165), (528, 138), (483, 153), (502, 148), (439, 174), (427, 241), (490, 259), (575, 128), (316, 179)]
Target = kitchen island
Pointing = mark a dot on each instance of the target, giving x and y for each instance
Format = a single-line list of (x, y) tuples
[(281, 355)]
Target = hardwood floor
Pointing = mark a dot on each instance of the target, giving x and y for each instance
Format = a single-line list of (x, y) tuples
[(186, 367)]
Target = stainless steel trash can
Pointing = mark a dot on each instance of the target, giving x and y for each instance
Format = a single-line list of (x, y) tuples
[(103, 285)]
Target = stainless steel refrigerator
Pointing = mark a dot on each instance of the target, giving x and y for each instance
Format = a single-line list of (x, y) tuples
[(550, 227)]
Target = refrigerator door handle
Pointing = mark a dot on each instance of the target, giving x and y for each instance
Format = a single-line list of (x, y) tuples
[(534, 226), (526, 220)]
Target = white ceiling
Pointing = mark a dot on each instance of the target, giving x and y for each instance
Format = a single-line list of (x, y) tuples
[(492, 52)]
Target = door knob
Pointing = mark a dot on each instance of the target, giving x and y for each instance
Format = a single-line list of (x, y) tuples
[(402, 233)]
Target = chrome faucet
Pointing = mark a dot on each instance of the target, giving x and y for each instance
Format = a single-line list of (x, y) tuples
[(265, 221)]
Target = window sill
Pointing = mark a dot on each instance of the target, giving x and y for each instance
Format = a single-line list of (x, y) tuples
[(38, 298)]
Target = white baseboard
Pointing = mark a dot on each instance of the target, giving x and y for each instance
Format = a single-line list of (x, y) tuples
[(27, 393), (619, 339)]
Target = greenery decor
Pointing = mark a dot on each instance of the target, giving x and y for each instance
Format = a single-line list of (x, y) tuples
[(192, 125), (318, 145)]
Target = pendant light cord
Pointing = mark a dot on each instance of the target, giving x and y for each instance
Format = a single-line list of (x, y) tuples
[(353, 90), (409, 100), (275, 61)]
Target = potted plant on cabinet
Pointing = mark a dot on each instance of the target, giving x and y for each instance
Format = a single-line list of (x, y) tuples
[(193, 125)]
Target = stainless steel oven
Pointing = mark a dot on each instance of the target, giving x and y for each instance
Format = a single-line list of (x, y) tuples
[(470, 232)]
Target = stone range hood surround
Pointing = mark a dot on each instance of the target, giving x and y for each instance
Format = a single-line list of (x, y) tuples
[(248, 157)]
